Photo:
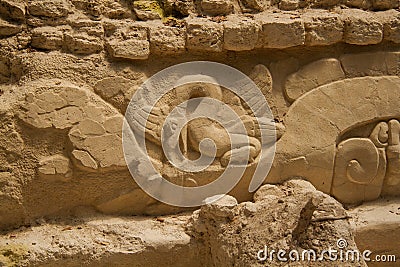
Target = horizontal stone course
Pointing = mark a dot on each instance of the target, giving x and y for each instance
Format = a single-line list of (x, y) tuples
[(136, 40)]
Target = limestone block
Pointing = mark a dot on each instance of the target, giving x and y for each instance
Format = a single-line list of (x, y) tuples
[(311, 76), (49, 8), (391, 25), (240, 34), (258, 5), (322, 28), (7, 29), (130, 43), (361, 28), (204, 35), (182, 7), (147, 10), (324, 3), (281, 31), (14, 9), (165, 40), (216, 7), (385, 4), (363, 4), (57, 167), (371, 64), (48, 38), (289, 4), (223, 207), (82, 43)]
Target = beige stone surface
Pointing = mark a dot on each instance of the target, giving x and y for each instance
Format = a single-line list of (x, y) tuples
[(47, 38), (49, 8), (7, 29), (165, 40), (371, 64), (216, 7), (289, 216), (361, 28), (322, 28), (240, 34), (376, 228), (281, 31), (313, 75), (130, 42), (204, 35)]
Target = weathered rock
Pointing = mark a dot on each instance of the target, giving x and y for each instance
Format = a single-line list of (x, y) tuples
[(130, 42), (84, 159), (289, 4), (322, 28), (49, 8), (371, 64), (147, 10), (166, 40), (48, 38), (311, 76), (13, 9), (258, 5), (7, 29), (82, 43), (240, 34), (204, 35), (281, 31), (385, 4), (361, 28), (363, 4), (376, 228), (180, 7), (116, 90), (391, 25), (216, 7), (56, 168), (293, 221)]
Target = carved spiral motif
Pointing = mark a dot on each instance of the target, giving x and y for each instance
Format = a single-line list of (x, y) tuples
[(203, 122)]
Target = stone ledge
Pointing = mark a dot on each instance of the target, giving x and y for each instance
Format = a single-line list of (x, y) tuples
[(135, 40)]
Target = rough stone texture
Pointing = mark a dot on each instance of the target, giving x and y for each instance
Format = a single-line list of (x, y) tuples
[(240, 34), (361, 28), (281, 31), (130, 42), (13, 9), (322, 29), (222, 233), (204, 35), (147, 10), (377, 223), (47, 38), (166, 40), (313, 75), (371, 64), (83, 43), (55, 167), (291, 216), (67, 75), (391, 25), (216, 7), (7, 29), (48, 8)]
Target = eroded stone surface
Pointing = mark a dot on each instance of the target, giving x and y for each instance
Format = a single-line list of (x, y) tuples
[(291, 216), (204, 35), (313, 75), (281, 31)]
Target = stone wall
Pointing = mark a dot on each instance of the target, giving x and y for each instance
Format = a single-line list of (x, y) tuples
[(68, 69)]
